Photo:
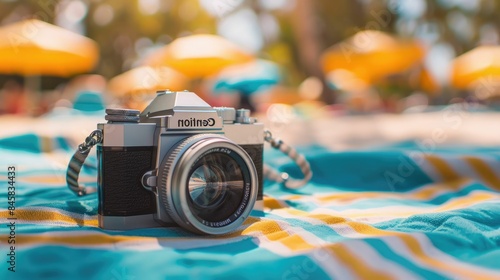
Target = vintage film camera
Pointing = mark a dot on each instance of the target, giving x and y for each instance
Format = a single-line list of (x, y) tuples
[(179, 162)]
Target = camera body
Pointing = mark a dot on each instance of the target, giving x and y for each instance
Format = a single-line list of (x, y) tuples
[(180, 162)]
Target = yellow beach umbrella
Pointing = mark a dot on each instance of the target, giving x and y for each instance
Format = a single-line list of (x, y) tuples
[(372, 55), (470, 67), (145, 79), (199, 56), (34, 47)]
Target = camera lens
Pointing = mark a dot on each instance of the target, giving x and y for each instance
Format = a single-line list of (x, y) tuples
[(209, 184), (215, 187)]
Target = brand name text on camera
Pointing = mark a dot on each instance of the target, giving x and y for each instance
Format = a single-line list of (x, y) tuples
[(193, 122)]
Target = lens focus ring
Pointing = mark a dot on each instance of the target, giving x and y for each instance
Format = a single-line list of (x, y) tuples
[(168, 168), (208, 184)]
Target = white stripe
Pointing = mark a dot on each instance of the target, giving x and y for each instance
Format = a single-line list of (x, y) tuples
[(45, 223), (330, 264), (366, 220), (398, 247), (461, 167), (428, 169), (372, 258), (494, 164)]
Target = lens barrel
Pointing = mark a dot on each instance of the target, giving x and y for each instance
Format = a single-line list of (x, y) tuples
[(209, 184)]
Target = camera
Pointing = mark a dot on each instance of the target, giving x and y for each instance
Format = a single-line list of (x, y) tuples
[(179, 162)]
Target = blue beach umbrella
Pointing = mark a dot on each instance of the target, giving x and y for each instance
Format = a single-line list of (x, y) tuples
[(89, 101), (248, 78)]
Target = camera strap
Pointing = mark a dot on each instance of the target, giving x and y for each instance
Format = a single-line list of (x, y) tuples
[(283, 177), (77, 161)]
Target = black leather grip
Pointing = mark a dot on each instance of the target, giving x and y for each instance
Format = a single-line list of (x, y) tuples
[(119, 184), (256, 153)]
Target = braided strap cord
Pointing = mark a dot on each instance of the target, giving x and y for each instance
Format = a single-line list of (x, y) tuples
[(283, 177), (76, 163)]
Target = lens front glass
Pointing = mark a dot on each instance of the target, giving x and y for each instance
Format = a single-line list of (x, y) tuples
[(218, 186), (207, 186)]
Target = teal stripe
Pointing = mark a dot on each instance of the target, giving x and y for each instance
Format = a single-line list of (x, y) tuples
[(357, 171), (54, 198)]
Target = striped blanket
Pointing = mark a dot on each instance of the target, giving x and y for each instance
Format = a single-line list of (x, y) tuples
[(390, 212)]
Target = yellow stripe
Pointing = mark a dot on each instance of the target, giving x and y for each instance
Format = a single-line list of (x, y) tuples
[(273, 232), (91, 239), (358, 267), (56, 180), (462, 202), (328, 219), (46, 144), (442, 167), (31, 215), (295, 197), (273, 203), (484, 171), (425, 193), (458, 203), (80, 240)]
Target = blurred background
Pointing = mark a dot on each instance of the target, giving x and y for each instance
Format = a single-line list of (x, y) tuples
[(302, 57)]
